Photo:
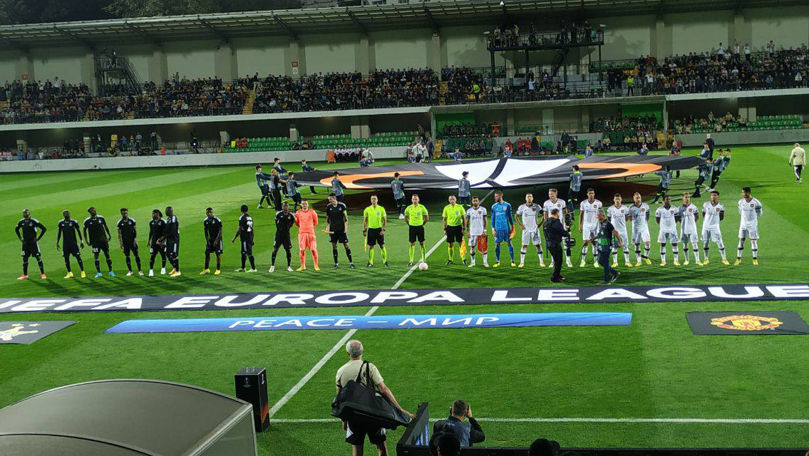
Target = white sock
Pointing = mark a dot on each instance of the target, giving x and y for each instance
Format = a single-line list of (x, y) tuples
[(486, 258)]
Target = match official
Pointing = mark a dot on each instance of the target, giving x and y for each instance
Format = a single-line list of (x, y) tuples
[(554, 236)]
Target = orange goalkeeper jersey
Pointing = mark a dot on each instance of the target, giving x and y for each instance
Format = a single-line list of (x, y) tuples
[(306, 221)]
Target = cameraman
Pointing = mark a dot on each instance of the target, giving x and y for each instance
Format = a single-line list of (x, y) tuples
[(554, 234), (467, 433)]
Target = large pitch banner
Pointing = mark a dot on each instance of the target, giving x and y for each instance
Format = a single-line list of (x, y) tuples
[(416, 297), (374, 322)]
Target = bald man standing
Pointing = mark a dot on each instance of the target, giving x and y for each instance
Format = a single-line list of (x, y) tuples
[(356, 431), (797, 159)]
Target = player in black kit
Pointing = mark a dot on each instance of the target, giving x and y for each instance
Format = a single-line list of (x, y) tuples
[(337, 222), (127, 240), (98, 236), (156, 228), (68, 232), (284, 220), (245, 235), (171, 239), (213, 241), (32, 232)]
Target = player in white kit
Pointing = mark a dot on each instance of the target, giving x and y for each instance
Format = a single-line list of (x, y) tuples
[(640, 213), (476, 231), (554, 202), (618, 214), (588, 225), (713, 212), (749, 211), (667, 216), (689, 216), (528, 218)]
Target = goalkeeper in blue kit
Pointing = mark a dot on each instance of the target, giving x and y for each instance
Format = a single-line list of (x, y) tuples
[(502, 225)]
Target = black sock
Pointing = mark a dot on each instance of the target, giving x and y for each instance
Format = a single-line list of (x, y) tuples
[(137, 262), (207, 261), (25, 267), (274, 254), (252, 262), (97, 263), (67, 263), (151, 260), (81, 263), (334, 254), (244, 260), (218, 262), (42, 266), (289, 258), (129, 264), (109, 263), (348, 254), (163, 257)]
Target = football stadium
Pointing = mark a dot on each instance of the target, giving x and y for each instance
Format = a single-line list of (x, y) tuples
[(319, 227)]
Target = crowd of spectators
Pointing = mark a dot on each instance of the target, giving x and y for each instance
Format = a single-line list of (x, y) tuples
[(712, 123), (722, 69), (627, 132), (335, 91), (647, 123)]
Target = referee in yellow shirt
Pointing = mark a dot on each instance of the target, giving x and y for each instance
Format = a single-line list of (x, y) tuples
[(416, 216), (453, 217), (374, 222)]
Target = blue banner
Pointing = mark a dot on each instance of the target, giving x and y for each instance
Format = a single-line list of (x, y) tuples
[(374, 322)]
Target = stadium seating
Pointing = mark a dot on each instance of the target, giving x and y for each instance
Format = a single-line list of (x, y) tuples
[(780, 122), (260, 144), (386, 139)]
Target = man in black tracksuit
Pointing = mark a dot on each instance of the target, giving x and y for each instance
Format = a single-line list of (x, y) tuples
[(466, 433), (554, 236)]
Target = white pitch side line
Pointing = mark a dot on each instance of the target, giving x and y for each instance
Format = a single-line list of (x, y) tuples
[(593, 420), (340, 343)]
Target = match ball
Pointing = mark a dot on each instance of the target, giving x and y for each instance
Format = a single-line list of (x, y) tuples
[(423, 266)]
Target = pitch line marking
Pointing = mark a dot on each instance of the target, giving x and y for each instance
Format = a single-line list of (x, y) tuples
[(340, 343), (592, 420)]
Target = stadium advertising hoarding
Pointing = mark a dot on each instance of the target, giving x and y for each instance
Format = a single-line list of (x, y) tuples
[(374, 322), (413, 297)]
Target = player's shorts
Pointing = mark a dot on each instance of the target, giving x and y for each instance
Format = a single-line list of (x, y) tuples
[(473, 239), (711, 234), (467, 200), (30, 249), (531, 237), (356, 432), (375, 237), (641, 236), (103, 246), (589, 232), (622, 237), (247, 246), (173, 247), (454, 233), (297, 198), (131, 247), (416, 233), (265, 190), (339, 237), (157, 248), (282, 240), (689, 237), (307, 241), (502, 236), (668, 236), (215, 248), (748, 232), (341, 198), (68, 250)]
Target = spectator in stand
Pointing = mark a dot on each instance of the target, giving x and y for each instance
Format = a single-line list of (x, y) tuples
[(466, 433), (357, 431)]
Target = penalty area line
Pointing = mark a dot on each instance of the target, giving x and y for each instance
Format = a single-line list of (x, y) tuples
[(340, 343), (592, 420)]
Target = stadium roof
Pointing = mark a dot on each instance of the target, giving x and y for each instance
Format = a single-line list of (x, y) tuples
[(361, 19)]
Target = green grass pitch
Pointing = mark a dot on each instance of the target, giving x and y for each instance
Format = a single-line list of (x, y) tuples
[(654, 368)]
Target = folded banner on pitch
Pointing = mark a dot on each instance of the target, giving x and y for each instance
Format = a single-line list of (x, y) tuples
[(747, 323), (463, 321)]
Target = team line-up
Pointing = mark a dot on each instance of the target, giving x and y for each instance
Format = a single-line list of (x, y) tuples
[(606, 231)]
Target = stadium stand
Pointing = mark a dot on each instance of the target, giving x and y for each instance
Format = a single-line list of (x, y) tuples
[(729, 122), (47, 101)]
